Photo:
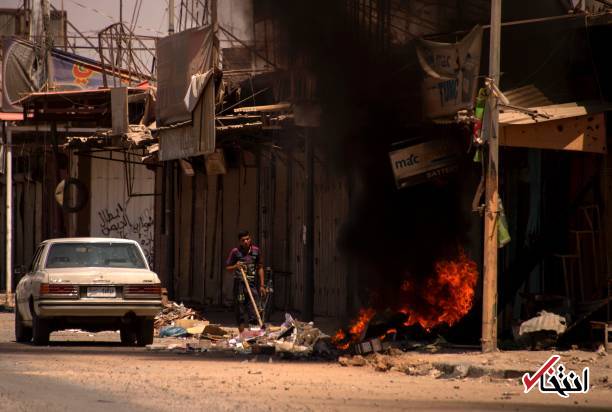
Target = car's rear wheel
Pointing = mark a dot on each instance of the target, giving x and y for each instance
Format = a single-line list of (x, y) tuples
[(145, 332), (40, 330), (22, 332), (128, 334)]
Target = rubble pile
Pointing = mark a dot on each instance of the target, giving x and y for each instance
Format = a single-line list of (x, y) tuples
[(293, 338), (173, 312)]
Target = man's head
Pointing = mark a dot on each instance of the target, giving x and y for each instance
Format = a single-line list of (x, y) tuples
[(244, 237)]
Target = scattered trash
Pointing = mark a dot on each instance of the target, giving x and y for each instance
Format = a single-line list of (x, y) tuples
[(601, 350), (542, 331), (172, 314), (172, 332), (292, 338), (374, 345), (544, 321)]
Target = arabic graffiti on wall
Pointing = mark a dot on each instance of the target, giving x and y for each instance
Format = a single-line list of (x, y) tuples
[(118, 222)]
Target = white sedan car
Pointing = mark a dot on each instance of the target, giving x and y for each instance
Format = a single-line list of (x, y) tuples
[(88, 283)]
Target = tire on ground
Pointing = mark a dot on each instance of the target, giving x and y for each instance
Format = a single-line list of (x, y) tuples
[(22, 332), (145, 332), (40, 330)]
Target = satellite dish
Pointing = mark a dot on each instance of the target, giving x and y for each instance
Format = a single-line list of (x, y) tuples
[(23, 72)]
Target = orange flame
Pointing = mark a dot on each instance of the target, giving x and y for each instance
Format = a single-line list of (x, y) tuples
[(450, 293), (389, 332), (356, 329)]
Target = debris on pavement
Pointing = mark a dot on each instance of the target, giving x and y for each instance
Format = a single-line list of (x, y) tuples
[(172, 331), (542, 331), (545, 321), (293, 338), (172, 314)]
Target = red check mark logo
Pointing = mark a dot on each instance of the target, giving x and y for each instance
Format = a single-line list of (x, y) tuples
[(530, 381)]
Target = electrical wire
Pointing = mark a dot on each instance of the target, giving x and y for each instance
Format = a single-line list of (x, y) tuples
[(111, 18)]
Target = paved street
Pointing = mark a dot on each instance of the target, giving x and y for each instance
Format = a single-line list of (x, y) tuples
[(81, 371)]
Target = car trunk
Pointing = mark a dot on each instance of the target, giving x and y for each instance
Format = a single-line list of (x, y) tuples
[(101, 276)]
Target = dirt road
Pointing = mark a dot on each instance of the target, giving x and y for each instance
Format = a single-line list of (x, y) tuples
[(94, 373)]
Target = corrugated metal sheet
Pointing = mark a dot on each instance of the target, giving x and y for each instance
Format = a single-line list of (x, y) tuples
[(331, 207), (280, 257), (545, 321), (527, 96), (296, 254), (553, 112), (269, 203)]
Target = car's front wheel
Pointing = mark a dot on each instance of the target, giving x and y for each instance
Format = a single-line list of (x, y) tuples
[(145, 332), (40, 330), (22, 332)]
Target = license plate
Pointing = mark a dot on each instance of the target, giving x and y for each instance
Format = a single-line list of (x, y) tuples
[(101, 292)]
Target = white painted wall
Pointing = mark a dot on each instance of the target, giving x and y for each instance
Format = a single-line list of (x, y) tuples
[(113, 213)]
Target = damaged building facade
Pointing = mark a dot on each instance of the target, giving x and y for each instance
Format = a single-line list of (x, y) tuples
[(309, 141)]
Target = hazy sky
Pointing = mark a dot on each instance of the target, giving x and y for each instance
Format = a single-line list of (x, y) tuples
[(90, 16)]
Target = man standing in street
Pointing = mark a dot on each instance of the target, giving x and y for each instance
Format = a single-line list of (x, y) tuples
[(246, 256)]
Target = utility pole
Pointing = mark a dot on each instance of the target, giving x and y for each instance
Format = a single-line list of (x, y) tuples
[(9, 214), (48, 43), (489, 299), (170, 17)]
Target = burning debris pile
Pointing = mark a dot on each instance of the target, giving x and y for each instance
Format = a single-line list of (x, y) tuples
[(443, 299)]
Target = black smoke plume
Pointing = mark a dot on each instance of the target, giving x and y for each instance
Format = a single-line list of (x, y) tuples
[(369, 93)]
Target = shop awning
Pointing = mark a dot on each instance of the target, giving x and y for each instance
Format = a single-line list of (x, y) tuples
[(577, 126)]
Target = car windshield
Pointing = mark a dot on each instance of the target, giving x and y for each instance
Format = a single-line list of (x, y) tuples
[(77, 255)]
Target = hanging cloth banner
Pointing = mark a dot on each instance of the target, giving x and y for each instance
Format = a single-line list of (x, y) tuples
[(451, 73)]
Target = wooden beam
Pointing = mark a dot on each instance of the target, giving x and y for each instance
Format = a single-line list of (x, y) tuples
[(267, 108)]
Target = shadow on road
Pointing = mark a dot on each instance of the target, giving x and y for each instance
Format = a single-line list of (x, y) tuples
[(72, 348)]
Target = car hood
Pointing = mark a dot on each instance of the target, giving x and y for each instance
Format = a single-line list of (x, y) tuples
[(101, 276)]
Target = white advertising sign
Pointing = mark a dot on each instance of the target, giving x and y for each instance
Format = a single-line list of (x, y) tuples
[(415, 164), (451, 73)]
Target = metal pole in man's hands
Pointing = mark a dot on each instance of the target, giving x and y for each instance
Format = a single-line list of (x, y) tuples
[(248, 288)]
